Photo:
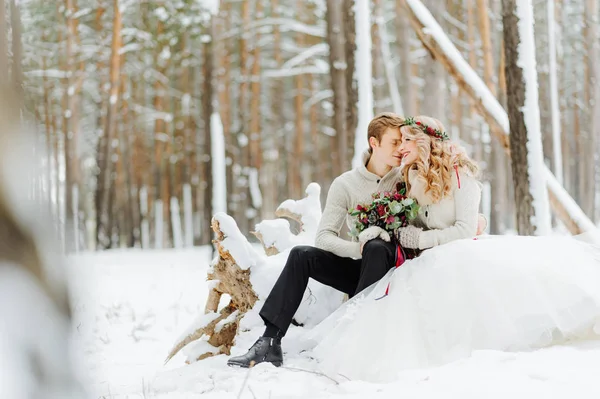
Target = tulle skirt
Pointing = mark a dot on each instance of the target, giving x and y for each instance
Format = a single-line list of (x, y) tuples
[(503, 293)]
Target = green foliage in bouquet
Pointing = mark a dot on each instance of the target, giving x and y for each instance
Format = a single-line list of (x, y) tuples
[(388, 210)]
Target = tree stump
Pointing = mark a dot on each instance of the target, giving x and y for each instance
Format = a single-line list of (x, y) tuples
[(237, 261)]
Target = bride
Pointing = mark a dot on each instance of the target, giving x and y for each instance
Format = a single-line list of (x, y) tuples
[(502, 293)]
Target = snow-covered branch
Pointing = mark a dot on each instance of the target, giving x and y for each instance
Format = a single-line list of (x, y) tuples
[(437, 42)]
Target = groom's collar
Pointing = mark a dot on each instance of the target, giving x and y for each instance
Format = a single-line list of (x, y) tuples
[(393, 173)]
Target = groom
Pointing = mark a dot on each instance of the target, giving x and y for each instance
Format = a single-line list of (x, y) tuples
[(344, 265)]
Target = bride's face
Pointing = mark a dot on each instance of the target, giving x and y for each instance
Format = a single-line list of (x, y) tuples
[(408, 150)]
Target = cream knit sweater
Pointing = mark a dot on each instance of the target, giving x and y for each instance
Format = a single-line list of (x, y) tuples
[(348, 190), (452, 218)]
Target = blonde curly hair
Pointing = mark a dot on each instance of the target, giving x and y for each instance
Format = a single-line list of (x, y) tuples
[(437, 158)]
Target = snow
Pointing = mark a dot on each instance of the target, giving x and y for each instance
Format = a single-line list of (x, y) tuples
[(236, 243), (217, 149), (229, 319), (316, 50), (531, 113), (158, 293), (362, 12), (580, 218), (176, 223), (308, 207), (276, 233), (199, 322), (255, 193), (211, 5), (188, 215)]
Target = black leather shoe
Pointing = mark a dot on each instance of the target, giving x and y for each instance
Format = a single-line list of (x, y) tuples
[(264, 350)]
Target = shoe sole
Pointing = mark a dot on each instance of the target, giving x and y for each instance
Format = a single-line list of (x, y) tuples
[(246, 366)]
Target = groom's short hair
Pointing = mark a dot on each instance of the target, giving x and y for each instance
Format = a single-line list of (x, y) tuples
[(380, 123)]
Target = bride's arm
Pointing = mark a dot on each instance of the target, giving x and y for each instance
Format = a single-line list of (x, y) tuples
[(333, 218), (466, 203)]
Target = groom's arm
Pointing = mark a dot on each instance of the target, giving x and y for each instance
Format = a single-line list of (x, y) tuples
[(333, 218)]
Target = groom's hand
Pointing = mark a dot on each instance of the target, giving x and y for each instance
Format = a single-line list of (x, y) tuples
[(371, 233)]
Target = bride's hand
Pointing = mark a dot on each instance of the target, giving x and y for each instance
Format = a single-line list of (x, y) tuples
[(481, 224), (408, 236)]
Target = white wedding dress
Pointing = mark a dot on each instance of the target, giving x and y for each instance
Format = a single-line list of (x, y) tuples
[(509, 293)]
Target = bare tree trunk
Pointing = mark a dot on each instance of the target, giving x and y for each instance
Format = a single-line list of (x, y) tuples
[(379, 86), (498, 157), (530, 196), (243, 159), (224, 88), (592, 99), (126, 139), (594, 65), (351, 80), (3, 44), (207, 111), (105, 187), (17, 49), (255, 142), (278, 186), (161, 139), (403, 38), (433, 75), (337, 70)]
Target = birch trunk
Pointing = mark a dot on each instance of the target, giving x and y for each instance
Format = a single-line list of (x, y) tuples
[(533, 217)]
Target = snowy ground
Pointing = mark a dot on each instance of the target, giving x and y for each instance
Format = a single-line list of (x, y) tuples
[(130, 306)]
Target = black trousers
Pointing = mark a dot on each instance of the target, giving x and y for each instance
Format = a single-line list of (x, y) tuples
[(344, 274)]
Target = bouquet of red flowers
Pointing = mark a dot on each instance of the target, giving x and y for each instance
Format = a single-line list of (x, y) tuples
[(388, 210)]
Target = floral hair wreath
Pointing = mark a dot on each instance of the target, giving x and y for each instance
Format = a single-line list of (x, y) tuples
[(435, 133)]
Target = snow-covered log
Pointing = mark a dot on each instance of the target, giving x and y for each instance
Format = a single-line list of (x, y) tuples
[(245, 276), (442, 49)]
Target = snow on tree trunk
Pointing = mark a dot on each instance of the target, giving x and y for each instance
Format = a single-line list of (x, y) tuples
[(188, 215), (531, 197), (176, 223), (247, 277), (435, 40), (554, 106), (362, 13)]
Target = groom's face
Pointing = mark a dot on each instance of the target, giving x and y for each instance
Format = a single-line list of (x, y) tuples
[(387, 150)]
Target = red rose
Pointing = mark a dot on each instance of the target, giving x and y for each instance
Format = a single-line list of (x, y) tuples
[(381, 210), (419, 123)]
